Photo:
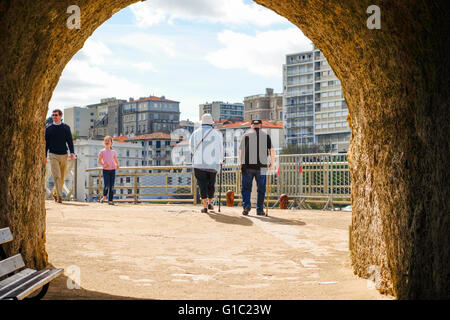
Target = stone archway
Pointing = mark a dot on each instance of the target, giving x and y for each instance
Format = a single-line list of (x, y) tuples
[(395, 81)]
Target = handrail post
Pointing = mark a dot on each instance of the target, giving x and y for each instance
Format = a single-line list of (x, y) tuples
[(135, 187), (194, 187), (99, 184), (75, 178)]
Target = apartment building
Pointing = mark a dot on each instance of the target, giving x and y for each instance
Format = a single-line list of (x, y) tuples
[(188, 125), (149, 115), (134, 117), (222, 110), (79, 119), (106, 117), (156, 148), (268, 106), (314, 107)]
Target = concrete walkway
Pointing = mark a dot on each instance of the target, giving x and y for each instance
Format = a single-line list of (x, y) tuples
[(175, 252)]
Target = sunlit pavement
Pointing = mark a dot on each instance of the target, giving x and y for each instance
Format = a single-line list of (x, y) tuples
[(175, 252)]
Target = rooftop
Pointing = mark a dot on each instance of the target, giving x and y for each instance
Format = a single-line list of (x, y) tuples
[(153, 98), (247, 124), (152, 136)]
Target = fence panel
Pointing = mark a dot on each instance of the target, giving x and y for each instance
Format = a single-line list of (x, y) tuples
[(320, 178)]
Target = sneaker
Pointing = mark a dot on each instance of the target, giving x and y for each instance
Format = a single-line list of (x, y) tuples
[(204, 210), (260, 213), (210, 207), (111, 203), (59, 200), (246, 211)]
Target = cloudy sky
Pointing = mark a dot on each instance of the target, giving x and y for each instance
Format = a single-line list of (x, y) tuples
[(190, 51)]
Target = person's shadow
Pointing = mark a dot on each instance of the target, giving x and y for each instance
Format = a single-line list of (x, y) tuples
[(219, 217), (292, 222)]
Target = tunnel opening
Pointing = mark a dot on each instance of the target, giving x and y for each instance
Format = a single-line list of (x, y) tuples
[(396, 100)]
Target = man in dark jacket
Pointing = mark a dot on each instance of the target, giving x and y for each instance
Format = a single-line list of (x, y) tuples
[(57, 138), (253, 150)]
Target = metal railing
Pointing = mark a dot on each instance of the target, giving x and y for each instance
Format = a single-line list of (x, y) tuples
[(309, 178), (146, 184)]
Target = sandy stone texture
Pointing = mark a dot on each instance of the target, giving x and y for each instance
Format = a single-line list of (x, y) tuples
[(176, 252)]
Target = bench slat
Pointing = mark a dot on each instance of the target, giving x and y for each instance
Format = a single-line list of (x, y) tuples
[(31, 284), (11, 264), (5, 292), (5, 235), (12, 281)]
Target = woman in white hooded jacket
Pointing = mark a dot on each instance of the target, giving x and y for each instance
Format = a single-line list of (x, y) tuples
[(206, 145)]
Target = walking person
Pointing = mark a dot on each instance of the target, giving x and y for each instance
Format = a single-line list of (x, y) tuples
[(57, 138), (107, 158), (253, 155), (206, 145)]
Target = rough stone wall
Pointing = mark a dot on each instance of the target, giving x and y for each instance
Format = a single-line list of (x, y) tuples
[(395, 81), (36, 45)]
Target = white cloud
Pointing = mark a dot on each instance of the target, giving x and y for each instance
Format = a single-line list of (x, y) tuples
[(144, 66), (235, 12), (83, 83), (149, 43), (94, 52), (262, 54)]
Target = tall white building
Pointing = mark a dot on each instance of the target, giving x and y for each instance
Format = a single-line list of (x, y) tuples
[(79, 119), (314, 107)]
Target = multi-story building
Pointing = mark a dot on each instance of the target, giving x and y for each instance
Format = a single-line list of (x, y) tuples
[(106, 117), (232, 133), (156, 148), (222, 110), (314, 107), (267, 106), (189, 126), (133, 117), (79, 119), (149, 115), (181, 154)]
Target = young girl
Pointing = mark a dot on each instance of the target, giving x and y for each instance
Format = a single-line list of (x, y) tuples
[(107, 158)]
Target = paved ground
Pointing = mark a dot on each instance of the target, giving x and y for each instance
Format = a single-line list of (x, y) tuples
[(176, 252)]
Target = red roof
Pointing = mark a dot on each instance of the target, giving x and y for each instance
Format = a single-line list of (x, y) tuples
[(247, 124), (153, 98), (152, 136), (120, 138)]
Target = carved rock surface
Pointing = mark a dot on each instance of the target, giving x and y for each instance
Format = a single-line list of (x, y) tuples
[(395, 81)]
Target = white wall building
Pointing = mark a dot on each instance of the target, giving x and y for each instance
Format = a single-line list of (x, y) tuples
[(128, 155), (314, 107), (79, 119)]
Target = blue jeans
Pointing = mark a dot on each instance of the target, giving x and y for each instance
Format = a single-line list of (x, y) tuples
[(247, 181), (108, 177)]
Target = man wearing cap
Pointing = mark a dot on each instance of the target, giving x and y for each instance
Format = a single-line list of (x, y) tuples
[(253, 150)]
